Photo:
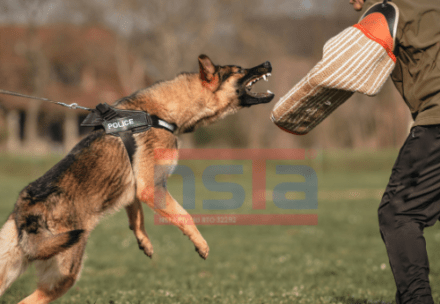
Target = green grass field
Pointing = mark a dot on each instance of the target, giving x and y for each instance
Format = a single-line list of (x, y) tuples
[(340, 260)]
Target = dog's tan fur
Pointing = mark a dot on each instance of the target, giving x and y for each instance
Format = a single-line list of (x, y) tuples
[(54, 215)]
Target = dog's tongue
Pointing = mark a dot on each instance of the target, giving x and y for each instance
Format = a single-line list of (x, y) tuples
[(377, 25)]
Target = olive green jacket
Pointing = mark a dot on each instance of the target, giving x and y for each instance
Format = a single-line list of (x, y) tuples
[(417, 72)]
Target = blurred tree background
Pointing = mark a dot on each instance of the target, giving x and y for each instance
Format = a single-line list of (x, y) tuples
[(91, 51)]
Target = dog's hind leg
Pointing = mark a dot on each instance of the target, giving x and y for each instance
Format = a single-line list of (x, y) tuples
[(57, 274), (12, 260), (136, 223), (161, 201)]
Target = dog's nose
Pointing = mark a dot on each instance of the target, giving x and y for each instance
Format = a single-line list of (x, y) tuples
[(267, 65)]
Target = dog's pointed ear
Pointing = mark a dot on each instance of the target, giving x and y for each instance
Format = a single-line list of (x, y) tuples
[(207, 68)]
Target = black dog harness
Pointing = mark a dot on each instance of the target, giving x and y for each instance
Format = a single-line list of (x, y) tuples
[(124, 123)]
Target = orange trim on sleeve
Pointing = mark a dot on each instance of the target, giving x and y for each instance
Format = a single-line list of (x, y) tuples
[(386, 46)]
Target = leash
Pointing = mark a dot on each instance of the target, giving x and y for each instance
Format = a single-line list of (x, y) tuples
[(71, 106), (116, 122), (101, 108)]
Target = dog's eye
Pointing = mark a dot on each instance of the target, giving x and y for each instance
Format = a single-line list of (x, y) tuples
[(240, 71)]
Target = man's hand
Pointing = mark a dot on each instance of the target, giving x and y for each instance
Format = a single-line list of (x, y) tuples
[(357, 4)]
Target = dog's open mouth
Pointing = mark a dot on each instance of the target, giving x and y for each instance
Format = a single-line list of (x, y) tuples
[(254, 75), (255, 80)]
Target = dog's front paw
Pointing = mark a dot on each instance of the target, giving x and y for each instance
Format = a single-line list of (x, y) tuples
[(203, 250), (146, 246)]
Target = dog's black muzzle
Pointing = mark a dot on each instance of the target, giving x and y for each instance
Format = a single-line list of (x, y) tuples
[(253, 75)]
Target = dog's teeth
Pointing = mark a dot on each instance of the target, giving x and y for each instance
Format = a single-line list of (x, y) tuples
[(269, 92), (265, 78)]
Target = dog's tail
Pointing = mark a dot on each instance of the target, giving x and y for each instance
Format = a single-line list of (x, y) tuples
[(12, 260)]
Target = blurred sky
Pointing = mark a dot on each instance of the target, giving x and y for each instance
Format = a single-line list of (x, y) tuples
[(126, 16)]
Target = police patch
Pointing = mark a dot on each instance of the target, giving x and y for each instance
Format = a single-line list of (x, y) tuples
[(126, 123)]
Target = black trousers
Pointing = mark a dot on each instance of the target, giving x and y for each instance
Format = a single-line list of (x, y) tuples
[(410, 203)]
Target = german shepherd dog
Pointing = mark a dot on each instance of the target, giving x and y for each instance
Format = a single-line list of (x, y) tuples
[(54, 215)]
